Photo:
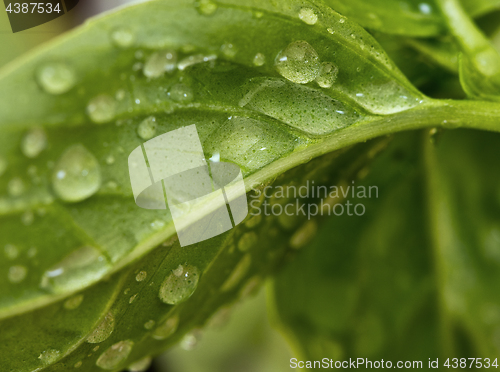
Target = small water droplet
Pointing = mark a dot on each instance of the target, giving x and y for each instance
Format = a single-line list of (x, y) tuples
[(132, 299), (78, 364), (122, 37), (120, 95), (259, 59), (101, 109), (103, 330), (16, 187), (11, 251), (205, 7), (191, 340), (308, 15), (298, 62), (247, 241), (179, 285), (331, 30), (425, 8), (110, 160), (72, 303), (56, 78), (195, 59), (115, 355), (142, 275), (77, 175), (251, 287), (141, 365), (181, 93), (228, 50), (238, 273), (327, 75), (303, 235), (96, 348), (147, 128), (167, 328), (27, 218), (49, 356), (149, 324), (17, 273), (32, 252), (34, 142), (342, 20), (160, 62)]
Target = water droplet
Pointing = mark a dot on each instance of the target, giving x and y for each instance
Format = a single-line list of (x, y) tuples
[(120, 95), (17, 273), (308, 15), (259, 59), (342, 20), (132, 299), (149, 324), (160, 62), (77, 175), (298, 62), (327, 75), (238, 273), (34, 142), (115, 355), (191, 340), (147, 128), (141, 276), (157, 225), (16, 187), (101, 109), (331, 30), (179, 285), (251, 287), (96, 348), (228, 50), (303, 235), (425, 8), (122, 37), (49, 356), (167, 328), (73, 302), (181, 93), (11, 251), (76, 270), (103, 330), (32, 252), (3, 165), (247, 241), (141, 365), (195, 59), (205, 7), (56, 78), (78, 364)]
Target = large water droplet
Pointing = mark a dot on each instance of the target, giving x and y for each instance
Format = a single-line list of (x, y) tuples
[(115, 355), (147, 128), (181, 93), (160, 62), (103, 330), (205, 7), (49, 356), (17, 273), (34, 142), (141, 365), (77, 175), (308, 15), (101, 109), (179, 285), (122, 37), (327, 75), (56, 78), (298, 62), (76, 270), (167, 328), (238, 273)]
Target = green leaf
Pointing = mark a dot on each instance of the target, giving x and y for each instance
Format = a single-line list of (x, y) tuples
[(369, 281)]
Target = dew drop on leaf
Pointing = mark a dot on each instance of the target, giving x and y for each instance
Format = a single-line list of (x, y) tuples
[(141, 276), (167, 328), (115, 355), (228, 50), (160, 62), (141, 365), (11, 251), (259, 59), (205, 7), (298, 62), (147, 128), (34, 142), (56, 78), (179, 285), (27, 218), (308, 15), (194, 60), (122, 37), (78, 364), (181, 93), (16, 187), (327, 75), (83, 266), (77, 174), (49, 356), (74, 302), (101, 109), (191, 340), (149, 324), (17, 273), (238, 273), (103, 330)]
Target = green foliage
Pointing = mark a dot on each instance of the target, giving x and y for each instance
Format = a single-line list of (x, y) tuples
[(290, 91)]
